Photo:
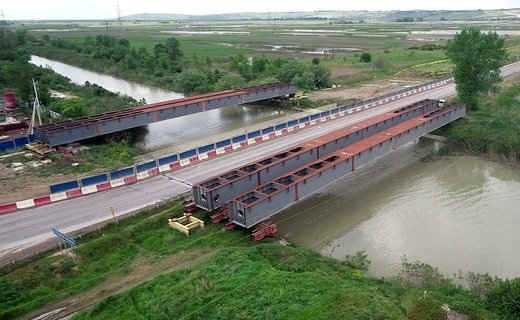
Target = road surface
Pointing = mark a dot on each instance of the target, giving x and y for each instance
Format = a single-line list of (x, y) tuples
[(28, 230)]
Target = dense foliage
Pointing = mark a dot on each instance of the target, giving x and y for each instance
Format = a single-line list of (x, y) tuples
[(167, 66), (477, 58), (16, 73)]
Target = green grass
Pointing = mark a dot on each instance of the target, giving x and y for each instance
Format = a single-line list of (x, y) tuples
[(494, 128), (270, 281), (99, 256)]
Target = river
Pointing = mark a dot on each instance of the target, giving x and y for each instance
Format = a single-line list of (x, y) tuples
[(164, 133), (455, 213)]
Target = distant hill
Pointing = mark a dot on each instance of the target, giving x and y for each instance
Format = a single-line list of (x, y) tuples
[(426, 15)]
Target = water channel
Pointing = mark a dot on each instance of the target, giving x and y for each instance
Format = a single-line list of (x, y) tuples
[(456, 213), (188, 128)]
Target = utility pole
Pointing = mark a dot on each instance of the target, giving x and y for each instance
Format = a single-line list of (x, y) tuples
[(36, 109), (119, 17)]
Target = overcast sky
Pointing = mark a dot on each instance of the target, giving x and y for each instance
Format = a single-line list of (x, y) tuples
[(102, 9)]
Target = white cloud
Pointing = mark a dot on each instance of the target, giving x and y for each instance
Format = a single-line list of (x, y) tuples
[(101, 9)]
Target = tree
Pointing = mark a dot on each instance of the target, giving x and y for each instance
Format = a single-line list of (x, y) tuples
[(229, 81), (321, 76), (477, 58), (191, 81), (174, 49), (289, 70), (305, 81), (366, 57)]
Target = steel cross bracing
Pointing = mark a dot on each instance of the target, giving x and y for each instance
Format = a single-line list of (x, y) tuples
[(91, 126), (260, 203), (212, 193)]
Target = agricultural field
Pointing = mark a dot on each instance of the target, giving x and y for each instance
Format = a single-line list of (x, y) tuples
[(398, 49)]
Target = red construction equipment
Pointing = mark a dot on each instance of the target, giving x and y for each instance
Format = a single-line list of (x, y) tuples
[(264, 229), (223, 213)]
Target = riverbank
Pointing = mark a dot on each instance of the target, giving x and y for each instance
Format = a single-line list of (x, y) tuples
[(219, 274), (494, 128)]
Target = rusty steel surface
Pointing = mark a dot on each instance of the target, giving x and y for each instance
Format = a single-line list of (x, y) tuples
[(212, 193), (347, 155)]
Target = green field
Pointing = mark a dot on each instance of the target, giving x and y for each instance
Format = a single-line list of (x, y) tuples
[(391, 44)]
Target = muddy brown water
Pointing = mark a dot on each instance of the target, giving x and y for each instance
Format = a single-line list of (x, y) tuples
[(453, 212)]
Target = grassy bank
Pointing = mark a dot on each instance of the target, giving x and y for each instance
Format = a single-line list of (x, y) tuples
[(226, 277), (100, 256), (494, 128)]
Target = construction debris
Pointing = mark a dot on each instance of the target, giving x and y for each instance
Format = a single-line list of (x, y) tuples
[(39, 148)]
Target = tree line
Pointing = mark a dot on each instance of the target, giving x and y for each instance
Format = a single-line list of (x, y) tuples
[(16, 73), (168, 67)]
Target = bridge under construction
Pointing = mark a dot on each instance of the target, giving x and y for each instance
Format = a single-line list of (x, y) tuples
[(250, 194), (87, 127)]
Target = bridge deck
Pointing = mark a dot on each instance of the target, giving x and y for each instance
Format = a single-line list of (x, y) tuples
[(91, 126)]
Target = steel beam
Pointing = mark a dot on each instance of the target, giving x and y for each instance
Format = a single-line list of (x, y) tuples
[(212, 193), (88, 127), (260, 203)]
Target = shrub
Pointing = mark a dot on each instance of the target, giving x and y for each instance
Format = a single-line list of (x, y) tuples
[(365, 57), (505, 299)]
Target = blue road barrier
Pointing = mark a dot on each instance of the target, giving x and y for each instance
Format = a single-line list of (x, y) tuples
[(168, 159), (60, 187), (239, 138), (223, 143), (207, 148), (122, 173), (188, 154), (94, 180), (145, 166)]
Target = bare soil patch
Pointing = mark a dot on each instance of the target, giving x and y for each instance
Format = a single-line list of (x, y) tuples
[(367, 90)]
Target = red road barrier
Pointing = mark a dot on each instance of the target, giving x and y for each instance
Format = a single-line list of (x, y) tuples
[(74, 193), (175, 165), (130, 180), (42, 200), (153, 172), (103, 186), (7, 208)]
